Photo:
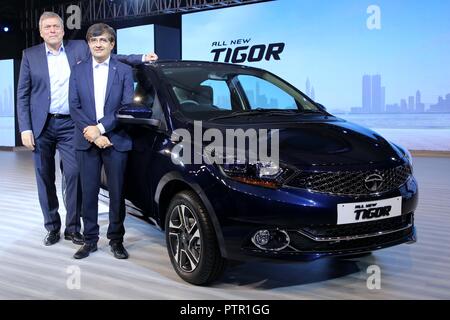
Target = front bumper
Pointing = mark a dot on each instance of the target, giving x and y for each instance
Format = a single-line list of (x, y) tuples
[(309, 219), (305, 247)]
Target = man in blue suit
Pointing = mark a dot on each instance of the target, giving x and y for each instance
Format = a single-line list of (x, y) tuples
[(45, 123), (98, 88)]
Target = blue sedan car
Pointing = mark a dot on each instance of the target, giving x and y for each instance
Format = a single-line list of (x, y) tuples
[(337, 189)]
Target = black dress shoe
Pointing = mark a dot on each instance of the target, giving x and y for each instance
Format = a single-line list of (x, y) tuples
[(75, 237), (52, 237), (85, 250), (119, 251)]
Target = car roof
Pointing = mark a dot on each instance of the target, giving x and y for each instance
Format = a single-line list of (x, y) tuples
[(192, 63)]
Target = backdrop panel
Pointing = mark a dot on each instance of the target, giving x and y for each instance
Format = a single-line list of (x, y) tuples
[(385, 66), (7, 133)]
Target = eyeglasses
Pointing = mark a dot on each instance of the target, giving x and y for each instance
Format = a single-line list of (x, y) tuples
[(98, 40)]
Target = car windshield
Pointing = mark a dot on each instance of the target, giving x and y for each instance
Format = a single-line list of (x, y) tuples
[(216, 92)]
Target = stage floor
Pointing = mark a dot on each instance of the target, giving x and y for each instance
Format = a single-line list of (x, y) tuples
[(29, 270)]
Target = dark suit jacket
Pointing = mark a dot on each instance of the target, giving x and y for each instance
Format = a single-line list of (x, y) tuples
[(119, 91), (33, 90)]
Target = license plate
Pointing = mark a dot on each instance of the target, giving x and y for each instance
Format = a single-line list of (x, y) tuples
[(369, 211)]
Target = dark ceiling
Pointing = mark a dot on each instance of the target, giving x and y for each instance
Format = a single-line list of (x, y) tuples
[(10, 12)]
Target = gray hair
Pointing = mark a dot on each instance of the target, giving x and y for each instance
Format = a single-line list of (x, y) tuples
[(49, 14)]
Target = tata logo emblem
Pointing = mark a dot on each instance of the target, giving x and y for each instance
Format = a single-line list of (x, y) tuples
[(373, 182)]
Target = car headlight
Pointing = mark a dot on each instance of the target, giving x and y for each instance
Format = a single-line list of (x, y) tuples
[(261, 173), (406, 155)]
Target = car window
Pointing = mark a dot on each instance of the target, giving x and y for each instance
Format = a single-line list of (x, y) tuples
[(144, 97), (262, 94), (203, 95), (207, 92), (221, 97), (200, 91), (144, 91)]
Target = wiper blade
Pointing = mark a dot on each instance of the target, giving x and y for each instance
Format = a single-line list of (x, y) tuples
[(256, 112), (311, 111)]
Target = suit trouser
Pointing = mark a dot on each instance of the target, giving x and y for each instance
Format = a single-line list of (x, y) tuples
[(57, 135), (90, 163)]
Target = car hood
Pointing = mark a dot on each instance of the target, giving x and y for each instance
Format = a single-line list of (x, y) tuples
[(330, 141), (334, 143)]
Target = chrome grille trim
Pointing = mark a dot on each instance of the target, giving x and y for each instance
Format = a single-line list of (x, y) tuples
[(355, 237), (349, 183)]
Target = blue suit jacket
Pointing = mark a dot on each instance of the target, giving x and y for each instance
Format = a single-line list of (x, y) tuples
[(33, 90), (119, 91)]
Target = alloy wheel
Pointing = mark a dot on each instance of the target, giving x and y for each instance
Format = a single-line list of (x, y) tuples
[(184, 238)]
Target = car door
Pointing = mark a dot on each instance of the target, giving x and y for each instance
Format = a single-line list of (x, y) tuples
[(141, 174)]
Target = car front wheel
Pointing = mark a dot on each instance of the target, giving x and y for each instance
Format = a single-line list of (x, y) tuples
[(191, 240)]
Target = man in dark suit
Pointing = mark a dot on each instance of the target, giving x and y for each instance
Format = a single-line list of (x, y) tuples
[(45, 123), (98, 88)]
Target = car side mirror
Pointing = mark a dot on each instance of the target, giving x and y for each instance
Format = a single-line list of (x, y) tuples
[(137, 114)]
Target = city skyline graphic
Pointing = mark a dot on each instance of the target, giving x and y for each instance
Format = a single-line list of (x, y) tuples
[(373, 95), (329, 44)]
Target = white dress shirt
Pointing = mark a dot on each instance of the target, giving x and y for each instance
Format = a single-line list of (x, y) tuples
[(59, 72), (100, 72)]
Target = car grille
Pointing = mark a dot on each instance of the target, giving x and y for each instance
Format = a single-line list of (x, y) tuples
[(359, 229), (350, 183)]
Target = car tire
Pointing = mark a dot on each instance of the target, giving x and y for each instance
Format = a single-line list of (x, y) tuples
[(191, 240)]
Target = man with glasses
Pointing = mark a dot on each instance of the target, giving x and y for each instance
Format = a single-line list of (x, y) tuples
[(98, 87), (45, 123)]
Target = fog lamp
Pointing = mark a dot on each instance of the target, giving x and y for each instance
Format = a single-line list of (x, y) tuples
[(271, 240), (262, 237)]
